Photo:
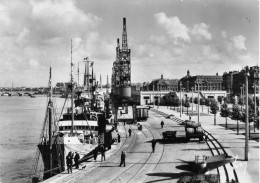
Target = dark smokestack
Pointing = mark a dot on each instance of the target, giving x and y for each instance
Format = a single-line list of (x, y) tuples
[(117, 41), (124, 21)]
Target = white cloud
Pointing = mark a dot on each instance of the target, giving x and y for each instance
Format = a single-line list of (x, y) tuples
[(4, 16), (22, 36), (37, 33), (58, 18), (201, 30), (158, 39), (173, 26), (34, 62), (239, 42), (224, 34)]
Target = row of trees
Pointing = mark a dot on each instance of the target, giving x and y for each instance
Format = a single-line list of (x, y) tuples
[(236, 112)]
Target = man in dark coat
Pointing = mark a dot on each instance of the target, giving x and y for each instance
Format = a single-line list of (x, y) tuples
[(162, 123), (129, 131), (69, 162), (76, 160), (153, 144), (95, 154), (103, 150), (122, 159), (118, 138)]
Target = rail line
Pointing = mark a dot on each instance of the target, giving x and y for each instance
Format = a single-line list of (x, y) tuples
[(214, 146), (159, 158), (143, 163), (217, 147), (134, 164)]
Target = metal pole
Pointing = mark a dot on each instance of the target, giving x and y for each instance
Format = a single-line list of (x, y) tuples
[(254, 104), (241, 96), (247, 126), (157, 96), (50, 135), (198, 104), (180, 99), (153, 94), (192, 100), (72, 94)]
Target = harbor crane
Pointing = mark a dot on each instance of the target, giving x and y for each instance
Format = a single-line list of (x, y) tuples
[(121, 77)]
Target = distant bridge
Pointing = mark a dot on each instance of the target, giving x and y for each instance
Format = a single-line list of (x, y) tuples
[(18, 93)]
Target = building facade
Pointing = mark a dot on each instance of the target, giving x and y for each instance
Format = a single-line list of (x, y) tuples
[(234, 81), (205, 82), (163, 84)]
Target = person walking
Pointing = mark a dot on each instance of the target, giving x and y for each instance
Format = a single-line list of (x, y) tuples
[(153, 144), (122, 159), (129, 131), (69, 162), (76, 160), (103, 156), (190, 118), (95, 153), (162, 123), (118, 138), (116, 125)]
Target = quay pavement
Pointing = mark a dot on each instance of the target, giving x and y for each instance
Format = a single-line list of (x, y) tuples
[(169, 161), (248, 171)]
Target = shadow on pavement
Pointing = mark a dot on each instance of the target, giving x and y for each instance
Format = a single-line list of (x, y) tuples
[(172, 141), (168, 175)]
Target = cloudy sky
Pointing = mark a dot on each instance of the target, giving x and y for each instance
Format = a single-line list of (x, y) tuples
[(165, 37)]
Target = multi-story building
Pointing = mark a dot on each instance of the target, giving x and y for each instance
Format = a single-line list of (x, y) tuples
[(162, 84), (239, 80), (205, 82), (228, 78)]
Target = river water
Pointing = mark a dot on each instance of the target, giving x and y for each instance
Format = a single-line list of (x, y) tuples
[(21, 120)]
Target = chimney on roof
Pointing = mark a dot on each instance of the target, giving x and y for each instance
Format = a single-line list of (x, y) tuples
[(188, 72), (162, 76)]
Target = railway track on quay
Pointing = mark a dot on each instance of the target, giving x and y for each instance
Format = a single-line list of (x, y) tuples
[(216, 148), (139, 170)]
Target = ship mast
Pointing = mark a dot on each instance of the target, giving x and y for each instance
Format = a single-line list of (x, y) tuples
[(50, 124), (72, 93)]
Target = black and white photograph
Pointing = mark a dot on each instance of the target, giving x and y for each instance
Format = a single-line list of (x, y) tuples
[(129, 91)]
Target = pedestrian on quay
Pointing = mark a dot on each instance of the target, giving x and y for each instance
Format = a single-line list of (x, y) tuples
[(162, 123), (190, 118), (124, 122), (122, 159), (103, 150), (129, 131), (76, 160), (116, 125), (118, 138), (95, 153), (69, 162), (153, 144)]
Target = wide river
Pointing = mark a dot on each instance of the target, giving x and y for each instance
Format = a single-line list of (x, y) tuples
[(21, 120)]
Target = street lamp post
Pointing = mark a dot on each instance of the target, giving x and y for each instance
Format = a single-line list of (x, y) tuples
[(198, 103), (180, 99), (255, 86), (247, 126), (153, 94), (192, 99), (241, 96)]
